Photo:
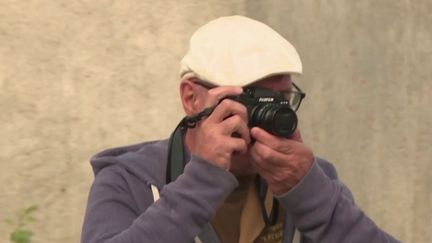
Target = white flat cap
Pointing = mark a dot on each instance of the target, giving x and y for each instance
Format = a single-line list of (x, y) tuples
[(237, 51)]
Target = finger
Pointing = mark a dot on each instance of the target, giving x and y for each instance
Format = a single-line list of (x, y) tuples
[(236, 124), (267, 157), (276, 143), (218, 93), (297, 136), (238, 145), (228, 108), (261, 166)]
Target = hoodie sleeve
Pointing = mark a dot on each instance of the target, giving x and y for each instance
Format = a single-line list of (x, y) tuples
[(184, 207), (324, 211)]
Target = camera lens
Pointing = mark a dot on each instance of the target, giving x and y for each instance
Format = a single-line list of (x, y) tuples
[(277, 119)]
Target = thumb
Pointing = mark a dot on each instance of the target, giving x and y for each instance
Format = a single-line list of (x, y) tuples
[(296, 136)]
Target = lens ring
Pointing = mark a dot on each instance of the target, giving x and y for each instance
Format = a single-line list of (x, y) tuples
[(277, 119), (284, 122)]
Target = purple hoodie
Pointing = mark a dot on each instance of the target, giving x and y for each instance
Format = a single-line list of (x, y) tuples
[(121, 207)]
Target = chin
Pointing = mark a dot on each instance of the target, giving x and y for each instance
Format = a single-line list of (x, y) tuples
[(241, 165)]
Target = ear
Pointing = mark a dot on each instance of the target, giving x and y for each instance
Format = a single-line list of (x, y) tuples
[(192, 97)]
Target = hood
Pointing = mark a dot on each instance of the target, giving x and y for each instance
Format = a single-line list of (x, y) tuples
[(146, 161)]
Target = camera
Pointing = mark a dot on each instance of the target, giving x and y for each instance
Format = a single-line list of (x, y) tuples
[(268, 110)]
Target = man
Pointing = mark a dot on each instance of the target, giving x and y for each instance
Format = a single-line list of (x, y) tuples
[(219, 178)]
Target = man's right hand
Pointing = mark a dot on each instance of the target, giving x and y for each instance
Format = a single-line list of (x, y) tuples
[(213, 136)]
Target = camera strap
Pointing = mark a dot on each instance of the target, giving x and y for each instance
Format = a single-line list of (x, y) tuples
[(272, 218), (176, 161), (176, 164)]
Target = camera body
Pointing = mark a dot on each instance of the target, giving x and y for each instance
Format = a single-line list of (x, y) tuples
[(268, 110)]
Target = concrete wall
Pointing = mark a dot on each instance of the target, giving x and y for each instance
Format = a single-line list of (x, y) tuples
[(79, 76)]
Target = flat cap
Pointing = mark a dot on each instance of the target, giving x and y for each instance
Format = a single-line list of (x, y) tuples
[(237, 51)]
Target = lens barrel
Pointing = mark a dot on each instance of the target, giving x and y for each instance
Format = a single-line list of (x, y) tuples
[(277, 119)]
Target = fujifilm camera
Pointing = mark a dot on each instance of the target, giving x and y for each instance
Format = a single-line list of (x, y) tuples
[(268, 110)]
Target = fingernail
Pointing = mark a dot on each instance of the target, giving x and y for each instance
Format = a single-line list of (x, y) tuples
[(254, 131)]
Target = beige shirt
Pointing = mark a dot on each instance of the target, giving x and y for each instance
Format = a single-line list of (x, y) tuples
[(239, 219)]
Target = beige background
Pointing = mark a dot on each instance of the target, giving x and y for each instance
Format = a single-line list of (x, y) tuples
[(78, 76)]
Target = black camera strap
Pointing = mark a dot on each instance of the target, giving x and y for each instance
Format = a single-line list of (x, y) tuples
[(176, 164), (176, 161)]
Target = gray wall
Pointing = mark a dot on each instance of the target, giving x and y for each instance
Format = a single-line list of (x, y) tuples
[(79, 76)]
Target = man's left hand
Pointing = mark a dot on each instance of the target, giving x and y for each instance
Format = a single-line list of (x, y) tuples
[(282, 162)]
